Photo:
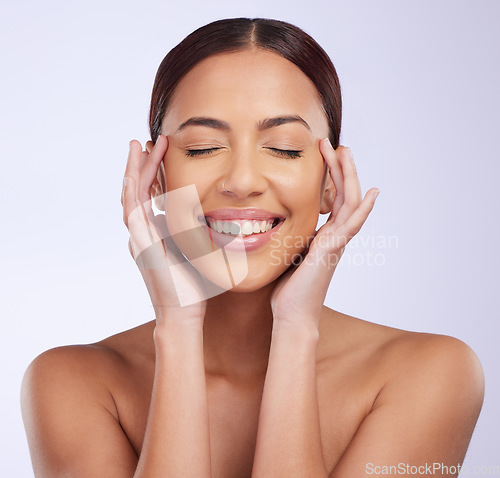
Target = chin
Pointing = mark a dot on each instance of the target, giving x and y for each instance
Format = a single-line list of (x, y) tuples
[(252, 284), (244, 278)]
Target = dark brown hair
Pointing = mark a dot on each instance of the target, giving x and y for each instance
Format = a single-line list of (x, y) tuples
[(235, 34)]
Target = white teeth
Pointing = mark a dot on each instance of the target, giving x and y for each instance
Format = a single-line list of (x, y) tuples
[(245, 227), (235, 228)]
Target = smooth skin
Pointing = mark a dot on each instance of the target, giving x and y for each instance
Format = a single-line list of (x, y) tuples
[(263, 380)]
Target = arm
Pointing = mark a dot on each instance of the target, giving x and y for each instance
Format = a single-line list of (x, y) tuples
[(177, 438), (288, 439), (420, 424), (72, 422), (422, 420), (176, 441), (424, 414), (70, 417)]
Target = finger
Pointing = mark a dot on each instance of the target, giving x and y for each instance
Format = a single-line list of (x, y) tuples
[(151, 165), (129, 198), (356, 220), (335, 171), (144, 198), (132, 172), (123, 189), (142, 163), (144, 159), (150, 162), (352, 188), (143, 233), (171, 249), (134, 160), (137, 214)]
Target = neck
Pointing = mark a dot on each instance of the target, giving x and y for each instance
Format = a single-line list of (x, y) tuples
[(237, 334)]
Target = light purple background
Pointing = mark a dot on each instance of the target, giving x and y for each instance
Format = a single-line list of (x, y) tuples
[(420, 84)]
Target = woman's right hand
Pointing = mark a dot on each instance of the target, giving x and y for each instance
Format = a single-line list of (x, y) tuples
[(181, 301)]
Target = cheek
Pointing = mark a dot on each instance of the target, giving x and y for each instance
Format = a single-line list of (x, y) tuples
[(301, 195), (175, 171), (303, 191), (180, 173)]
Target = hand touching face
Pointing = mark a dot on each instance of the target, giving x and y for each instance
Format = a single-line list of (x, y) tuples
[(252, 121)]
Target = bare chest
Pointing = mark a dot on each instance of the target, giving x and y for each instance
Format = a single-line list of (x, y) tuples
[(344, 400)]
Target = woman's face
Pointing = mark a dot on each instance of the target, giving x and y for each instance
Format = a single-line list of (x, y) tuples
[(236, 95)]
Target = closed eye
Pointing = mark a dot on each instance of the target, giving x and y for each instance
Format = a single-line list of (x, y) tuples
[(200, 152), (288, 153)]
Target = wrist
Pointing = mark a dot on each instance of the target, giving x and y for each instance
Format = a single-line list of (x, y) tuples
[(173, 339), (288, 318), (194, 313), (296, 328), (177, 323)]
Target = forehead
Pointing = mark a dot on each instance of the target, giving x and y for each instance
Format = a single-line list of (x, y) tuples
[(246, 85)]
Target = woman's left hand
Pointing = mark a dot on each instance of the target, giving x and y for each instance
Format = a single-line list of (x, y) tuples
[(299, 294)]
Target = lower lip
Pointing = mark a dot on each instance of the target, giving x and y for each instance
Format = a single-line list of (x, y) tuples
[(234, 243)]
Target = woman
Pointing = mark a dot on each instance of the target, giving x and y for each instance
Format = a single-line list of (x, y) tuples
[(244, 372)]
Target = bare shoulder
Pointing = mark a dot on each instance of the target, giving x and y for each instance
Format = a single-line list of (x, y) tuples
[(68, 402), (70, 369), (405, 369), (420, 388), (97, 365), (399, 351), (440, 370)]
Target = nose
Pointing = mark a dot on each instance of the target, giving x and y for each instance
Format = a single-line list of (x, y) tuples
[(244, 176)]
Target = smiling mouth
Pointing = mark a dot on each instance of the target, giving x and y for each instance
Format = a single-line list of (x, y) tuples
[(245, 227)]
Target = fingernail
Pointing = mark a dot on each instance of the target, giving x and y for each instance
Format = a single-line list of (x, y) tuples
[(125, 182), (328, 142), (377, 192)]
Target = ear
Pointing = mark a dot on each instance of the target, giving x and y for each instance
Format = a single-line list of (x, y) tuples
[(158, 187), (328, 193)]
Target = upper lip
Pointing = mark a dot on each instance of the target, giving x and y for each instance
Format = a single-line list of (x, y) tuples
[(230, 214)]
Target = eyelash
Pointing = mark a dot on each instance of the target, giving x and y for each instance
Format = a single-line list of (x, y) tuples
[(199, 152), (287, 153)]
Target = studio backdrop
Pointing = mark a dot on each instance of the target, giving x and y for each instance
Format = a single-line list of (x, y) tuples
[(421, 110)]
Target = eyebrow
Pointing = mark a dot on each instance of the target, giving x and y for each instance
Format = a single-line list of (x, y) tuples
[(261, 125)]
